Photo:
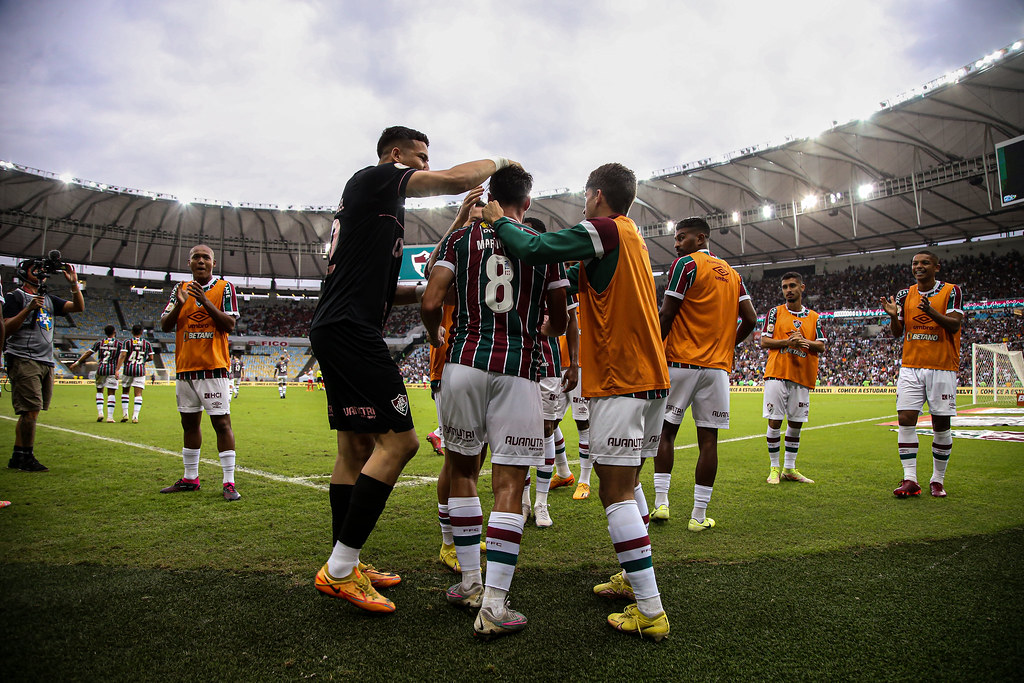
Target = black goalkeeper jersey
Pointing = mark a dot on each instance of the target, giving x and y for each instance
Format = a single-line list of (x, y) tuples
[(367, 239)]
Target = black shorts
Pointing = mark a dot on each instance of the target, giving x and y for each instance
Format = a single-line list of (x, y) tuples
[(365, 391)]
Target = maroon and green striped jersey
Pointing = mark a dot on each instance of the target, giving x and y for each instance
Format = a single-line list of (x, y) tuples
[(137, 352), (106, 351), (548, 350), (500, 302)]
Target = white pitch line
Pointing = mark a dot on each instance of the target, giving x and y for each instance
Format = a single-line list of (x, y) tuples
[(805, 429), (410, 480)]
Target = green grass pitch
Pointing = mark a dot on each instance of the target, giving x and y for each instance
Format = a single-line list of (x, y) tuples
[(101, 577)]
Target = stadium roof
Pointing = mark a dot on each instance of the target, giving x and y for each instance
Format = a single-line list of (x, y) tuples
[(919, 170)]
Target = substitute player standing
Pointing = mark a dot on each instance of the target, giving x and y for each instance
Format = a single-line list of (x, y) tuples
[(281, 372), (794, 341), (107, 351), (367, 402), (928, 317), (625, 377), (203, 312), (237, 368), (704, 298), (135, 353)]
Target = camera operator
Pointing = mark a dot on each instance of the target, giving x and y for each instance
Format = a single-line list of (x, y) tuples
[(29, 318)]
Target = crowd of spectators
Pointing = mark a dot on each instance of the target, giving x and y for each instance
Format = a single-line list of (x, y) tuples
[(416, 364), (290, 319), (982, 277)]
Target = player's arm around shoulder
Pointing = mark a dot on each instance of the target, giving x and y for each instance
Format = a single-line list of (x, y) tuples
[(431, 306)]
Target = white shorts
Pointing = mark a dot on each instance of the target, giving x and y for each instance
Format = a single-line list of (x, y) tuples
[(106, 382), (127, 381), (553, 400), (282, 381), (479, 407), (625, 430), (197, 395), (917, 385), (580, 404), (705, 391), (788, 400)]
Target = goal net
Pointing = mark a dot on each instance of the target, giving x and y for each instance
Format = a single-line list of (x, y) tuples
[(997, 373)]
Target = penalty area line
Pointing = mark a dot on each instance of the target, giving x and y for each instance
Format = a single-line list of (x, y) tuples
[(805, 429)]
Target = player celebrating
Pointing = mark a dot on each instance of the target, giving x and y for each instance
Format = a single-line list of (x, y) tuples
[(367, 403), (203, 312), (281, 372), (794, 341), (489, 391), (931, 358), (106, 350), (135, 353), (704, 298), (625, 378)]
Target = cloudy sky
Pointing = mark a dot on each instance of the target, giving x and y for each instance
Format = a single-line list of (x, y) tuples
[(280, 101)]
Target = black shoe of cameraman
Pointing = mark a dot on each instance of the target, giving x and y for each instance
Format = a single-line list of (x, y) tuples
[(26, 463)]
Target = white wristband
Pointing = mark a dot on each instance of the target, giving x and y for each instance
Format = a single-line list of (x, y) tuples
[(499, 162)]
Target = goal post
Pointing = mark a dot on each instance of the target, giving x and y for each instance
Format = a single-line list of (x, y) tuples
[(997, 374)]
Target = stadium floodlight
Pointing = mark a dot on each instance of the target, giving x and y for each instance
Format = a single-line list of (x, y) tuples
[(766, 211), (809, 202), (1016, 46), (865, 191), (669, 227), (735, 216), (66, 178)]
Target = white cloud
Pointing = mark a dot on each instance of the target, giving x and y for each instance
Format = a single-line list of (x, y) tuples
[(272, 99)]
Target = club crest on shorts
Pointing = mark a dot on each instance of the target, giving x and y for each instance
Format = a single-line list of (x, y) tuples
[(401, 404)]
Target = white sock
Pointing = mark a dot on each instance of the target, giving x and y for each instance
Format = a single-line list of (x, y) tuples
[(641, 505), (124, 404), (190, 456), (138, 407), (561, 461), (342, 560), (99, 402), (773, 436), (227, 463), (544, 472), (586, 465), (662, 482), (701, 498), (908, 444), (942, 446), (445, 523), (111, 402), (792, 446)]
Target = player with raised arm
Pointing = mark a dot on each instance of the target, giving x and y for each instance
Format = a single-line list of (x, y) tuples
[(367, 403), (794, 341), (490, 394), (203, 312), (134, 355), (625, 375), (703, 300), (928, 316), (106, 350)]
